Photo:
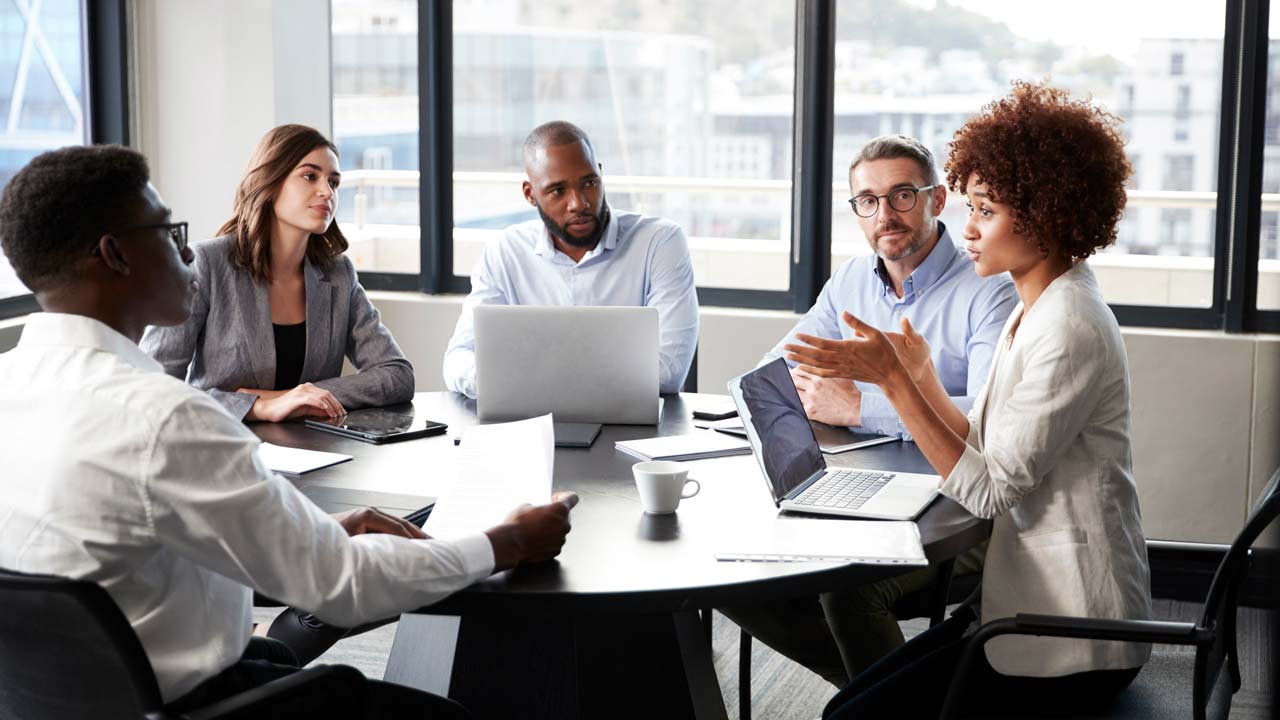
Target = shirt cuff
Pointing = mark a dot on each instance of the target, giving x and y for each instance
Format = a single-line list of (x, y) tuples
[(878, 415), (967, 480), (477, 554)]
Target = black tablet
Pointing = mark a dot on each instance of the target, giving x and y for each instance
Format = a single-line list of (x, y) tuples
[(378, 425)]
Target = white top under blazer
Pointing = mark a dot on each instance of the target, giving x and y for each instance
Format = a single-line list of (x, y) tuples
[(1049, 458)]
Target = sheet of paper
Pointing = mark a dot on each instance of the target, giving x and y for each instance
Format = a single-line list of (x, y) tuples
[(500, 467), (793, 539), (295, 461)]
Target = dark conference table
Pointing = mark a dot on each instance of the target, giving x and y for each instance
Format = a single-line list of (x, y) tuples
[(611, 627)]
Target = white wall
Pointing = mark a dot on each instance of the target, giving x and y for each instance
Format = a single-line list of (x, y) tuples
[(213, 76)]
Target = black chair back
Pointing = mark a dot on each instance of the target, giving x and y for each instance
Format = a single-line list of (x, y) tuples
[(66, 651), (1220, 605)]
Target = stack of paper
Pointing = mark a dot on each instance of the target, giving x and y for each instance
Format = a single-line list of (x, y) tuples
[(500, 468), (693, 446)]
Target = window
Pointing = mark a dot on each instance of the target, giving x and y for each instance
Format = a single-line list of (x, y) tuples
[(375, 125), (41, 91), (923, 68), (689, 105), (1269, 241)]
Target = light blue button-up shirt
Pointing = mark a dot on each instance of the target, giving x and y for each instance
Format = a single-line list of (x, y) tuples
[(958, 312), (640, 261)]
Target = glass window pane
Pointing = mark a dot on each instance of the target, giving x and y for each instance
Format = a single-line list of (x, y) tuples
[(922, 69), (41, 91), (375, 125), (1269, 248), (689, 104)]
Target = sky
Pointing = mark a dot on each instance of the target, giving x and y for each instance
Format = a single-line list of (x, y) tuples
[(1104, 26)]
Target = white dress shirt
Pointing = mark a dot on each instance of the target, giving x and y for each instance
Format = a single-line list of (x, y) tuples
[(120, 474), (1049, 456), (640, 261)]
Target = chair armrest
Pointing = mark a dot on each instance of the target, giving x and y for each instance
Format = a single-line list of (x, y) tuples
[(249, 704), (1152, 631)]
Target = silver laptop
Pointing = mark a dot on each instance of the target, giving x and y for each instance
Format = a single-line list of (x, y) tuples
[(795, 468), (581, 364)]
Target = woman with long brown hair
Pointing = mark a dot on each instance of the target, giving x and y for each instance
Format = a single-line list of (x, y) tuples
[(279, 305), (277, 309)]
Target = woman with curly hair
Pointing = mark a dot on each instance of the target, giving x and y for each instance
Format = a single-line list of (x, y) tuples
[(1046, 449)]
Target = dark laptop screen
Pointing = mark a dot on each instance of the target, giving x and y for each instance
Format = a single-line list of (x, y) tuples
[(783, 439)]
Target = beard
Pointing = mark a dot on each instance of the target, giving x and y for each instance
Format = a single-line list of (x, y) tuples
[(918, 241), (559, 231)]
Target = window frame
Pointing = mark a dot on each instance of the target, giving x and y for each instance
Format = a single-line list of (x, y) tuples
[(1238, 212), (105, 41)]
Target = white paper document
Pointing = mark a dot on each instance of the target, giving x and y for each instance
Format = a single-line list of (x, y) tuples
[(295, 461), (500, 467), (791, 539)]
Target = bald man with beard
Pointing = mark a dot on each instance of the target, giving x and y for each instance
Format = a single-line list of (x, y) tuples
[(581, 252)]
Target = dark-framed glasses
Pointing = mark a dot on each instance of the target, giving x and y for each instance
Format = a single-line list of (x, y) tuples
[(900, 199), (177, 232)]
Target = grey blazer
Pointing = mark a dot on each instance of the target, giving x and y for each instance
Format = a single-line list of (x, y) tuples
[(228, 342)]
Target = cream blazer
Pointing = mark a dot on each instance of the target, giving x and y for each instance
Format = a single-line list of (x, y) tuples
[(1049, 458)]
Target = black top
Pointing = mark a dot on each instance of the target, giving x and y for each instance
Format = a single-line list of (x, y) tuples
[(291, 350)]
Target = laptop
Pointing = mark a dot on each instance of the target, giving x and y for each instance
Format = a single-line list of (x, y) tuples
[(796, 470), (581, 364)]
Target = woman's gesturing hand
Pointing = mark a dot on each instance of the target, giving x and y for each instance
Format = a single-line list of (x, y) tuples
[(870, 356)]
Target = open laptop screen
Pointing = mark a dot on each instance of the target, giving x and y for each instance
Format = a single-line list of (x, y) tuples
[(779, 431)]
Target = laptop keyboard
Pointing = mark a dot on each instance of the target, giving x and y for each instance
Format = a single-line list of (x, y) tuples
[(844, 488)]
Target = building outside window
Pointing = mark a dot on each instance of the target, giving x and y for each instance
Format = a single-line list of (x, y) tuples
[(41, 91)]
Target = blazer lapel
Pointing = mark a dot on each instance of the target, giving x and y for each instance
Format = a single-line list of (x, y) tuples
[(319, 322), (255, 318)]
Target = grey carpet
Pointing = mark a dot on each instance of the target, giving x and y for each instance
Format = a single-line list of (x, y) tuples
[(782, 689)]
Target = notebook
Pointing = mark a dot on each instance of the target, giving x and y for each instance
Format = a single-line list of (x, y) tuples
[(796, 470), (697, 445)]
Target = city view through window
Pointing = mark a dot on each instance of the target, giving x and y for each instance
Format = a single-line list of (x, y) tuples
[(41, 91), (690, 105)]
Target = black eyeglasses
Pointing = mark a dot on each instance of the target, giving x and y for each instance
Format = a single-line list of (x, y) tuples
[(177, 232), (901, 199)]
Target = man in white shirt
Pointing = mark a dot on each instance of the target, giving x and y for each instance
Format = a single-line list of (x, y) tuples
[(120, 474), (581, 252)]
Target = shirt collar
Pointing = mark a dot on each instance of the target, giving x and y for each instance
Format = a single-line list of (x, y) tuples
[(933, 267), (544, 246), (47, 329)]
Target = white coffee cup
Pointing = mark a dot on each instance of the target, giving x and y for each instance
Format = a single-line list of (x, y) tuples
[(661, 484)]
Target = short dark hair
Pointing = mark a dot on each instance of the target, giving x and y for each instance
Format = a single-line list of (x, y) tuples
[(1059, 163), (550, 134), (898, 147), (55, 209)]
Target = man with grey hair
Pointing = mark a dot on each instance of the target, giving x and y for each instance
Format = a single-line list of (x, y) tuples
[(915, 273), (581, 252)]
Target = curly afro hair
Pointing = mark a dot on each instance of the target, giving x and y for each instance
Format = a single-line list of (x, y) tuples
[(1058, 163), (54, 210)]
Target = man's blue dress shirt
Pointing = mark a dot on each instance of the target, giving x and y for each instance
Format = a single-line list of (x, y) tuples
[(640, 261), (958, 312)]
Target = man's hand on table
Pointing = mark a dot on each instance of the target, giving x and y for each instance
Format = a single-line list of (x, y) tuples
[(532, 533), (371, 520)]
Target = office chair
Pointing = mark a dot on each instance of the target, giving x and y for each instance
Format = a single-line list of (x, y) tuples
[(66, 651), (931, 603), (1214, 636)]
